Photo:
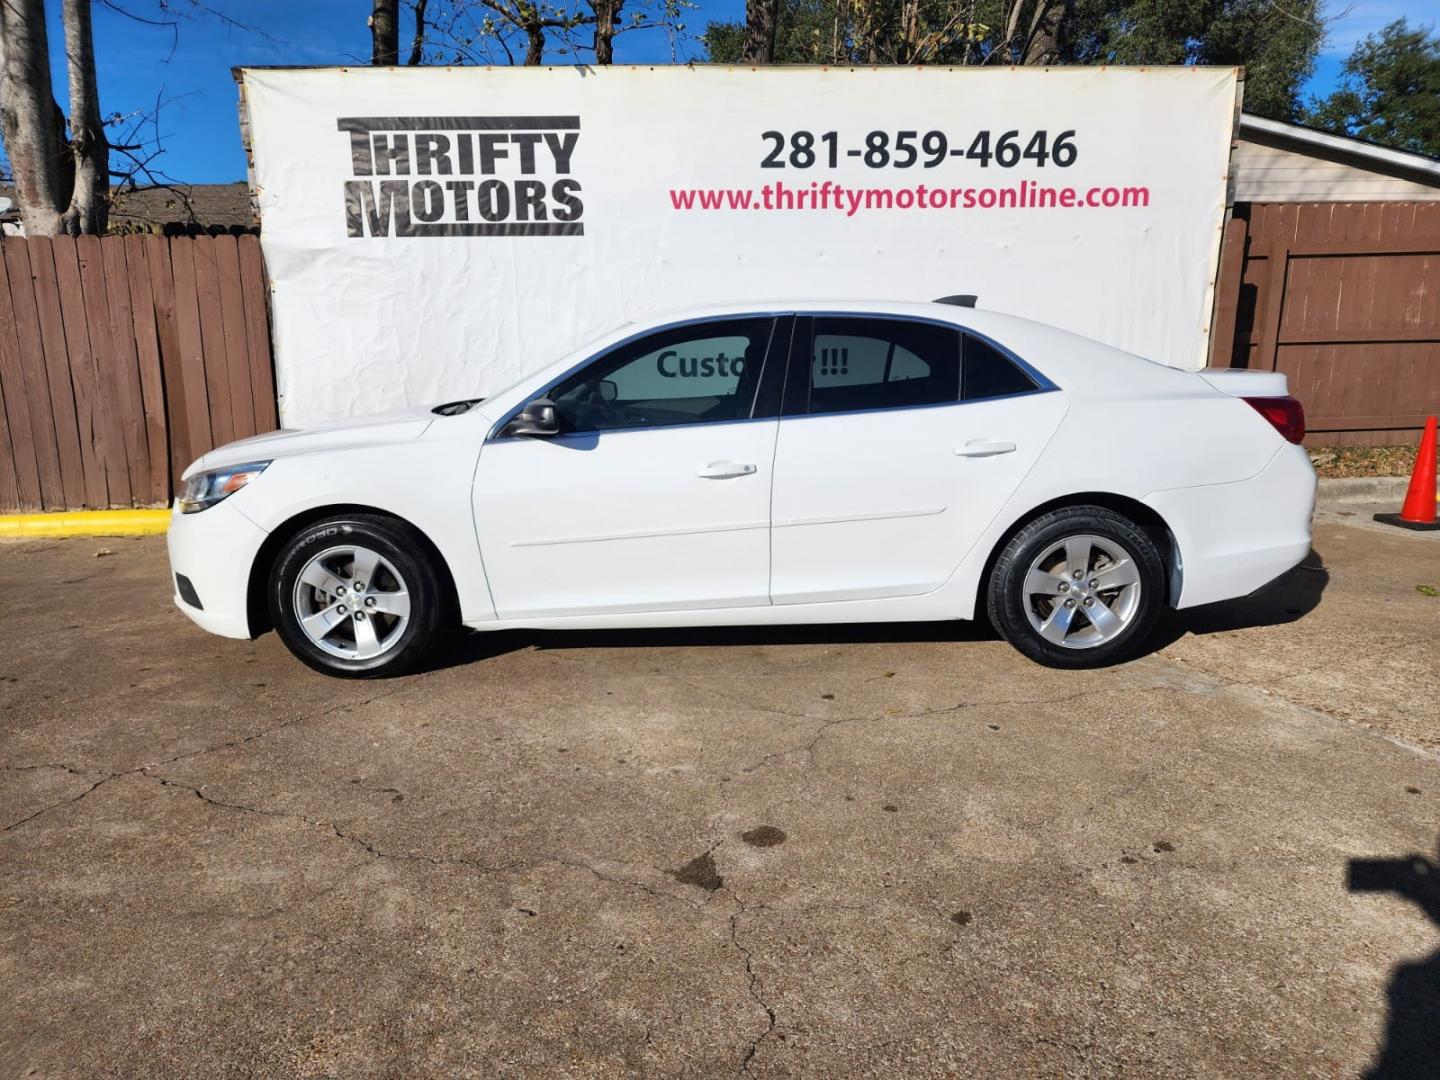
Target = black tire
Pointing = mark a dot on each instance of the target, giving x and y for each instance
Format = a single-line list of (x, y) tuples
[(413, 564), (1010, 604)]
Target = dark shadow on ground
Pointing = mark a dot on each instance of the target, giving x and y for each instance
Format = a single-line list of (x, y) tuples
[(1412, 1028), (1290, 598), (1287, 599), (467, 647)]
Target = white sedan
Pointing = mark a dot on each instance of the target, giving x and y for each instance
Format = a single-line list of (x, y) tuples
[(773, 463)]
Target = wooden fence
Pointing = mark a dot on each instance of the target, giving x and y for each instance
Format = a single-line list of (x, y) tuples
[(123, 358), (1345, 299)]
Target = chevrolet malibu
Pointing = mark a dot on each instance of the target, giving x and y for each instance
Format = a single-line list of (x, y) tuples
[(776, 463)]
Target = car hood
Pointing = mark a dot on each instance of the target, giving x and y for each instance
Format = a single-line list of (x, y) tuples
[(364, 431)]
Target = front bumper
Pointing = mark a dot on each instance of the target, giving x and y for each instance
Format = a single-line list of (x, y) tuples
[(215, 550), (1235, 538)]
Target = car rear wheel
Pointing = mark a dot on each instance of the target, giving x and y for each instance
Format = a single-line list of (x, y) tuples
[(1079, 587), (356, 596)]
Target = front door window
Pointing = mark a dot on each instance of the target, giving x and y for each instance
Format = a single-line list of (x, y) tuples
[(686, 375)]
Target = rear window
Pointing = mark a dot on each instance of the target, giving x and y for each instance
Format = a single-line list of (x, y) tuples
[(986, 372)]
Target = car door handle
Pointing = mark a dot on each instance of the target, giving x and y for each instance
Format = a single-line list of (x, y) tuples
[(984, 448), (724, 470)]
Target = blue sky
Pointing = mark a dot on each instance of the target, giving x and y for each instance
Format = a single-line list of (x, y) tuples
[(188, 69)]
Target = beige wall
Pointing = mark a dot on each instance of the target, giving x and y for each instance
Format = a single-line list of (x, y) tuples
[(1266, 174)]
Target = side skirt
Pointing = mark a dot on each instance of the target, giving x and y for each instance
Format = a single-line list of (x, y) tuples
[(932, 607)]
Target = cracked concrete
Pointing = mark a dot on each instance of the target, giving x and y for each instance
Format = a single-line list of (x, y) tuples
[(900, 850), (755, 991)]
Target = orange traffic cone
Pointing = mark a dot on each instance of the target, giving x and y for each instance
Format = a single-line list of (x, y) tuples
[(1418, 512)]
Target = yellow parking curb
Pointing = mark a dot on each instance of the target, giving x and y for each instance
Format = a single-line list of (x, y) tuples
[(84, 523)]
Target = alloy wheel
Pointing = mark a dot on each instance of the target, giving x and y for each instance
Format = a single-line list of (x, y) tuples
[(1082, 591), (352, 602)]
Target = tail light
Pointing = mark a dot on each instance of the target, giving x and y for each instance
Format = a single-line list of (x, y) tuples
[(1286, 415)]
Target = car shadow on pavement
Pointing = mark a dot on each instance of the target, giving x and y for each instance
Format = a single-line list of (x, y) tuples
[(466, 647), (1291, 597), (1411, 1050), (1287, 599)]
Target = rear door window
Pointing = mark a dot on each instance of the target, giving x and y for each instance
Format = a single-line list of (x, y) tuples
[(849, 364)]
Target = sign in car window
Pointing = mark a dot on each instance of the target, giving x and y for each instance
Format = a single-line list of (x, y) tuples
[(705, 367), (851, 360)]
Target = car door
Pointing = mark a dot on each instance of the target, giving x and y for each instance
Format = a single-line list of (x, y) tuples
[(887, 469), (655, 495)]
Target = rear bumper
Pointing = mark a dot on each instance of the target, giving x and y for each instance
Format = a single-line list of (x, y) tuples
[(1236, 538), (214, 550)]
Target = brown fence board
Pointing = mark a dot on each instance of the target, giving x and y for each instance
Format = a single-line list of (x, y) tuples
[(1398, 226), (232, 318), (9, 493), (1427, 301), (110, 422), (57, 369), (82, 370), (192, 354), (147, 350), (17, 403), (255, 286), (1344, 298), (162, 294), (212, 340), (1228, 282), (37, 384), (126, 372)]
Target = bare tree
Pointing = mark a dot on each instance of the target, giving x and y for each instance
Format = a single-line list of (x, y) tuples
[(538, 31), (663, 15), (1046, 45), (607, 21), (1033, 31), (63, 183), (62, 169), (385, 33), (89, 199), (1041, 44), (761, 19), (868, 30), (417, 43), (31, 124), (536, 21)]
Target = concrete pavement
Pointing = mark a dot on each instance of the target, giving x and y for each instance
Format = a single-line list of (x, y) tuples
[(841, 851)]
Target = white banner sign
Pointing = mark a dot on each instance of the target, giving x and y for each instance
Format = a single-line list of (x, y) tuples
[(436, 233)]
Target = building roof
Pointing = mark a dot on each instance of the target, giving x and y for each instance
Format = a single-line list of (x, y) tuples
[(207, 206), (180, 208), (1342, 149)]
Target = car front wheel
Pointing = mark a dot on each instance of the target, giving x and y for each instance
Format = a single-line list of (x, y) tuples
[(356, 596), (1078, 587)]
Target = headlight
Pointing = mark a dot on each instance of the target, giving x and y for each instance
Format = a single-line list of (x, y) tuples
[(204, 490)]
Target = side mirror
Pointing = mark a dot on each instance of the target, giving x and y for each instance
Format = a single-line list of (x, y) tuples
[(608, 390), (536, 418)]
